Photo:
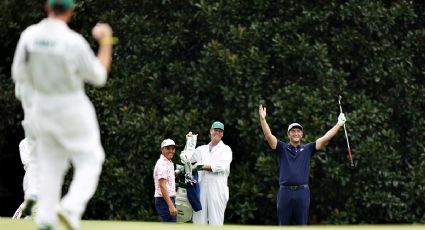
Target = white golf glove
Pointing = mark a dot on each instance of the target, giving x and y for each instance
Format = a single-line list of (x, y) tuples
[(341, 119)]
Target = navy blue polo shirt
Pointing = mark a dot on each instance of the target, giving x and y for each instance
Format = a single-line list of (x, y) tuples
[(294, 162)]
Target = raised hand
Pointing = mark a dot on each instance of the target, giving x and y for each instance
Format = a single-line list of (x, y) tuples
[(102, 30), (188, 135), (262, 111)]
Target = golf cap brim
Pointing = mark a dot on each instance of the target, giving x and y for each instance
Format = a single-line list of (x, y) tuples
[(217, 125), (167, 142), (294, 125)]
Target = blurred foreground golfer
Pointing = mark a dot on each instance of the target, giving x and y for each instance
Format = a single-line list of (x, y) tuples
[(56, 62)]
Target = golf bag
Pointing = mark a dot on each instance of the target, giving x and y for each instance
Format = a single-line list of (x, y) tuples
[(187, 195)]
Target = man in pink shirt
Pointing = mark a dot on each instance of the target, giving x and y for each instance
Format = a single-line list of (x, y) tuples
[(165, 185)]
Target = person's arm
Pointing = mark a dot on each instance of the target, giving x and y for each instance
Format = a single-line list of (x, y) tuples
[(19, 67), (271, 139), (323, 141), (166, 196), (206, 168), (223, 164), (102, 32)]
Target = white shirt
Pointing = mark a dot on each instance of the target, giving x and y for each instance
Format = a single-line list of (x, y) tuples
[(55, 59), (56, 62), (219, 158)]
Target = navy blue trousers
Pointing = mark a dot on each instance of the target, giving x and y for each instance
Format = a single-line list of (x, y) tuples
[(163, 211), (292, 206)]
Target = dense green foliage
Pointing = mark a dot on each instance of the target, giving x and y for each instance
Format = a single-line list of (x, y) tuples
[(180, 65)]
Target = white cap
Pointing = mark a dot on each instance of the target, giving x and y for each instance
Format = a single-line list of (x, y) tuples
[(167, 142), (293, 125)]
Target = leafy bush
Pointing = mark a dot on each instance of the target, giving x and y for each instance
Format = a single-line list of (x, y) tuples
[(180, 65)]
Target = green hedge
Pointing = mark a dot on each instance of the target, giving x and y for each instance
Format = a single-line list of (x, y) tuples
[(180, 65)]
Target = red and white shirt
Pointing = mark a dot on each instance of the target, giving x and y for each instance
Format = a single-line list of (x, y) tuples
[(164, 169)]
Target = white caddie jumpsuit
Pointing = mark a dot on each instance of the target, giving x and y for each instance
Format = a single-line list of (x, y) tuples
[(29, 183), (214, 192), (57, 61)]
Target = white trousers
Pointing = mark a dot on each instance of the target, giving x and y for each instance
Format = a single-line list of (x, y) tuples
[(54, 163), (67, 133), (214, 196)]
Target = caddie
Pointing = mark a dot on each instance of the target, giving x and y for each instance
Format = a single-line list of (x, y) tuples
[(57, 61), (214, 159)]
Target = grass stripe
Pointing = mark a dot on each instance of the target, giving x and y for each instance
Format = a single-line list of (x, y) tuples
[(9, 224)]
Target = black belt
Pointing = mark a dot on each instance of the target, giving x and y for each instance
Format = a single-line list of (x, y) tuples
[(294, 187)]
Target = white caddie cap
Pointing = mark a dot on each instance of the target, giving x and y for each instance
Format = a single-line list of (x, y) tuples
[(167, 142), (294, 125)]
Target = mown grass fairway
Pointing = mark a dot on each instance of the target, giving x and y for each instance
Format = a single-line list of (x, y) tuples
[(9, 224)]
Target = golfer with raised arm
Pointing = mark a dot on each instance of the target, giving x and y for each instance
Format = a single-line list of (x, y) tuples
[(293, 198), (56, 61)]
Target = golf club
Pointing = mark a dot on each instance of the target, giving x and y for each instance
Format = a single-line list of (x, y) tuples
[(346, 136)]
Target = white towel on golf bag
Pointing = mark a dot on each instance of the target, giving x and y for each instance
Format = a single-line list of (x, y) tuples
[(186, 157)]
